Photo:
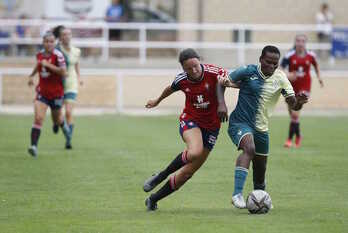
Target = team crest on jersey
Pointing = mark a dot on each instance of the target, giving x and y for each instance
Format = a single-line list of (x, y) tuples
[(276, 84), (207, 86), (294, 62), (187, 89), (307, 62)]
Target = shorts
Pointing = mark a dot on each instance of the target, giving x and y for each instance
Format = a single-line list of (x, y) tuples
[(209, 137), (70, 97), (237, 131), (54, 104)]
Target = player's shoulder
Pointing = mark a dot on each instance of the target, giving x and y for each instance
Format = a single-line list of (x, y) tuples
[(40, 53), (280, 74), (311, 54), (290, 53), (76, 50), (180, 78), (58, 53), (210, 68)]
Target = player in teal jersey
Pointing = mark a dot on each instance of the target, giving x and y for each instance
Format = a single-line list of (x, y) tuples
[(260, 88)]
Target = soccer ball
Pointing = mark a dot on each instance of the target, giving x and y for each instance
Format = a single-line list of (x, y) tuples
[(258, 202)]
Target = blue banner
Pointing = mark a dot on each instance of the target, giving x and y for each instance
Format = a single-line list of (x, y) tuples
[(340, 42)]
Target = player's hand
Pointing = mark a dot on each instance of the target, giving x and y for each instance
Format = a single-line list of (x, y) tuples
[(302, 97), (224, 81), (81, 82), (30, 81), (44, 63), (151, 103), (222, 112), (292, 76), (321, 82)]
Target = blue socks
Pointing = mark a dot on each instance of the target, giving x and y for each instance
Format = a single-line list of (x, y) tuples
[(240, 175)]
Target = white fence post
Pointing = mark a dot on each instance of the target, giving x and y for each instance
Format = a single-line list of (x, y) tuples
[(105, 49), (119, 92), (142, 48)]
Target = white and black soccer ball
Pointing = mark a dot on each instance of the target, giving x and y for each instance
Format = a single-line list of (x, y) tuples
[(258, 202)]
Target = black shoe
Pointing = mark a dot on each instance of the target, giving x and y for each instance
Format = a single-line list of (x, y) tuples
[(150, 205), (68, 146), (55, 128), (33, 151), (151, 183)]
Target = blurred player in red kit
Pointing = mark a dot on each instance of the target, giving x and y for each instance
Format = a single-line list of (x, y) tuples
[(297, 63), (51, 67)]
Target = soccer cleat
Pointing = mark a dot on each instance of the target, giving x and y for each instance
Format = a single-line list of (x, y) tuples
[(68, 145), (151, 183), (238, 201), (33, 151), (55, 128), (288, 143), (298, 141), (150, 205)]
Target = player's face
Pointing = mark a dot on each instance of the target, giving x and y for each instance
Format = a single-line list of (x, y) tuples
[(49, 43), (269, 63), (193, 68), (300, 43), (66, 36)]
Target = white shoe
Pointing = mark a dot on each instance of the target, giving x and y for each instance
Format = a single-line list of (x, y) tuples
[(33, 151), (238, 201)]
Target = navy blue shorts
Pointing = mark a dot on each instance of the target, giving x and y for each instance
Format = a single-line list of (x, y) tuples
[(70, 96), (53, 104), (209, 137)]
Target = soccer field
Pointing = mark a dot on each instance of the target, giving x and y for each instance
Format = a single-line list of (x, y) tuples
[(97, 187)]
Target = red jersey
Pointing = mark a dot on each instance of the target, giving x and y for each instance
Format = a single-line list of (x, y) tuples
[(302, 66), (50, 84), (201, 99)]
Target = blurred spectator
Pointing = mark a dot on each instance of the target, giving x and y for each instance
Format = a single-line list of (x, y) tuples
[(4, 47), (116, 12), (21, 33), (324, 20)]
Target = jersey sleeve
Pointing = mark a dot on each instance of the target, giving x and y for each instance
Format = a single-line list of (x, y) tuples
[(60, 60), (239, 74), (176, 83), (287, 89), (285, 62)]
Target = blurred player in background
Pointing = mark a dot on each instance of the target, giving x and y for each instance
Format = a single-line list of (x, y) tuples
[(298, 62), (260, 88), (199, 122), (73, 79), (50, 92)]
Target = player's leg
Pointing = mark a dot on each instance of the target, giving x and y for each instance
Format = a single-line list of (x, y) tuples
[(295, 119), (187, 130), (261, 140), (195, 146), (55, 127), (288, 142), (58, 118), (242, 136), (69, 103), (40, 108)]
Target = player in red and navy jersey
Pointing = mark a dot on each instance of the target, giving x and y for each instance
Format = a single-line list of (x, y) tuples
[(50, 92), (298, 62), (199, 122)]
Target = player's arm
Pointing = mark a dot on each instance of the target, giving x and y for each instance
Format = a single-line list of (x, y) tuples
[(234, 78), (284, 64), (31, 76), (165, 93), (296, 102), (222, 108), (317, 72), (60, 70), (77, 69)]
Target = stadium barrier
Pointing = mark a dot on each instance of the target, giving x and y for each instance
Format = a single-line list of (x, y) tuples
[(124, 90)]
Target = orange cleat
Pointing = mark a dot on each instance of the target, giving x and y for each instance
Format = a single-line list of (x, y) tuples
[(298, 141), (288, 143)]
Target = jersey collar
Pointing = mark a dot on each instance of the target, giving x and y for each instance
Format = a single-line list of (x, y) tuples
[(260, 72)]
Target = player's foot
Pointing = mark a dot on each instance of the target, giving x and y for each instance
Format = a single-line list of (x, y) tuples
[(33, 151), (288, 143), (150, 205), (68, 145), (151, 183), (55, 128), (238, 201), (298, 141)]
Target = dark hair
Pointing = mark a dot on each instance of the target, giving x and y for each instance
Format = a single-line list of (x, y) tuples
[(187, 54), (57, 30), (270, 49)]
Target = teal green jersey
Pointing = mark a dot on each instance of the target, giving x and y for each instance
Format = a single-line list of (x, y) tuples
[(258, 95)]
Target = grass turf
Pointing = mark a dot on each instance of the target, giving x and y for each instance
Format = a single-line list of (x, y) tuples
[(97, 186)]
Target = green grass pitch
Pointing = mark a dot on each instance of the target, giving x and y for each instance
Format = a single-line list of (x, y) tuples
[(97, 187)]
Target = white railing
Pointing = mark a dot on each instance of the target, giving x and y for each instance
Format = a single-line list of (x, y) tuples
[(143, 44), (121, 74)]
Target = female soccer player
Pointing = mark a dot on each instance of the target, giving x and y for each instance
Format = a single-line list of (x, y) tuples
[(52, 69), (72, 80), (199, 122), (298, 61)]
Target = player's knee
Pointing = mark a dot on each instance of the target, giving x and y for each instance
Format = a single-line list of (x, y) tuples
[(194, 153), (38, 120), (249, 150)]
